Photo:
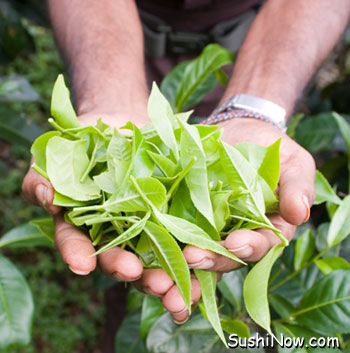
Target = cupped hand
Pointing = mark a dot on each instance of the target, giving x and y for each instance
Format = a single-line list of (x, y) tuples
[(74, 246), (296, 194)]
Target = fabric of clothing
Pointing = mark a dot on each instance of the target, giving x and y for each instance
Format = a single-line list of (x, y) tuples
[(196, 15), (192, 16)]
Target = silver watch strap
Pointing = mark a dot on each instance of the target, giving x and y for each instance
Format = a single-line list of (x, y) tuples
[(258, 105)]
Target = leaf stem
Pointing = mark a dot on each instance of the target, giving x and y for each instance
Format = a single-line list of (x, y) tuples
[(179, 179), (90, 165), (60, 129), (40, 171)]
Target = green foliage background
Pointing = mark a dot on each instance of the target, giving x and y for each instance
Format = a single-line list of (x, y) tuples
[(69, 314)]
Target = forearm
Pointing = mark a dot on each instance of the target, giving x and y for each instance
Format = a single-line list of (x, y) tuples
[(102, 44), (284, 47)]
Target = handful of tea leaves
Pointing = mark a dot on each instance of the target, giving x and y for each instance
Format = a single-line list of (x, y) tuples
[(155, 189)]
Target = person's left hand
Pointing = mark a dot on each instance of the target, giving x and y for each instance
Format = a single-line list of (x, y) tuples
[(296, 194)]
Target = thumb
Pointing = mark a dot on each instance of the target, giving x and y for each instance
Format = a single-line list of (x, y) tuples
[(296, 187), (38, 191)]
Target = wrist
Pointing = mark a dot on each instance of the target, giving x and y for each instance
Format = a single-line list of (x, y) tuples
[(234, 114)]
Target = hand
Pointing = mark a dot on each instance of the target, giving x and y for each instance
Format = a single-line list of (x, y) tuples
[(296, 193), (74, 246)]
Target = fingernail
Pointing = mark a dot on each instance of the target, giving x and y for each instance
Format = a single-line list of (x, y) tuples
[(41, 192), (181, 322), (183, 310), (121, 278), (118, 277), (307, 206), (147, 290), (79, 272), (243, 251), (205, 264)]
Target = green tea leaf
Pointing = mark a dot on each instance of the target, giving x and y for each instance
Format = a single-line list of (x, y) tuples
[(243, 176), (231, 287), (265, 161), (23, 236), (129, 200), (304, 249), (66, 163), (65, 201), (163, 119), (207, 281), (222, 77), (255, 288), (166, 165), (152, 309), (196, 335), (281, 305), (119, 147), (61, 106), (16, 306), (46, 226), (339, 228), (182, 205), (171, 82), (344, 128), (221, 208), (38, 149), (316, 133), (198, 71), (188, 233), (236, 327), (328, 300), (324, 191), (298, 332), (128, 339), (129, 234), (105, 181), (270, 167), (331, 264), (141, 165), (171, 258), (196, 178)]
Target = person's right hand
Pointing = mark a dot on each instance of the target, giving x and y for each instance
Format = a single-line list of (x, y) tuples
[(74, 246)]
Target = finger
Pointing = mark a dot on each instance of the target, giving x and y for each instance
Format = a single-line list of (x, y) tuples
[(174, 303), (74, 246), (207, 260), (120, 264), (246, 244), (296, 187), (39, 191), (154, 282), (251, 245)]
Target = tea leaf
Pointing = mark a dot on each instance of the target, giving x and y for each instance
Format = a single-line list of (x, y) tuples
[(171, 258), (163, 119), (207, 281), (188, 233), (331, 264), (339, 228), (66, 163), (328, 300), (304, 249), (61, 106), (152, 309), (198, 71), (196, 178), (255, 288), (324, 192), (16, 306)]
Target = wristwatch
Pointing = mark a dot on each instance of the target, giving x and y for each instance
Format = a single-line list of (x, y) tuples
[(250, 106)]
